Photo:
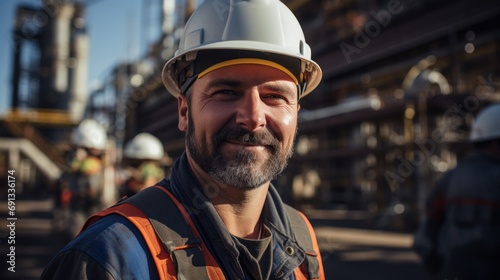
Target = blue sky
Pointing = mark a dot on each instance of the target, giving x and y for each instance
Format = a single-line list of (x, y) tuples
[(114, 28)]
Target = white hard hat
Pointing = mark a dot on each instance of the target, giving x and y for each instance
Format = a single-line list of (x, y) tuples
[(144, 146), (486, 125), (89, 134), (241, 31)]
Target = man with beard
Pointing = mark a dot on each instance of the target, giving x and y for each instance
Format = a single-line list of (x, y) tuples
[(238, 75)]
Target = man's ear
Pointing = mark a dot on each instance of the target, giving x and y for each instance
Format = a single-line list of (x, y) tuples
[(183, 112)]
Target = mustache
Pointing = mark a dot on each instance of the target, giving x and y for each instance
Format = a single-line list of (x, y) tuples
[(239, 134)]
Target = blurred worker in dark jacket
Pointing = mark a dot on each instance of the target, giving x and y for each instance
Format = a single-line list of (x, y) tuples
[(460, 238)]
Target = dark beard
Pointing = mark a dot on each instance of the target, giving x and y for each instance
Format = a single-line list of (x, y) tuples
[(239, 171)]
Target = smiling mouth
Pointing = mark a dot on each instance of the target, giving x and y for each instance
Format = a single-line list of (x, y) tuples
[(251, 146), (246, 143), (247, 140)]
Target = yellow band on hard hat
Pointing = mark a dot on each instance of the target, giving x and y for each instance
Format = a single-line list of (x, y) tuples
[(238, 61)]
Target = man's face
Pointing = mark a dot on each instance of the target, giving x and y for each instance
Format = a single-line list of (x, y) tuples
[(241, 123)]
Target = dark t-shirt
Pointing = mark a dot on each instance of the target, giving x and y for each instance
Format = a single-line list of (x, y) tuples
[(256, 254)]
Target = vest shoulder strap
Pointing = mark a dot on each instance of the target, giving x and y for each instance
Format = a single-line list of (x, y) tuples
[(306, 238)]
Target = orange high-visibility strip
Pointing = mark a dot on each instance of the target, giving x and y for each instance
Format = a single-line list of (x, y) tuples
[(315, 247)]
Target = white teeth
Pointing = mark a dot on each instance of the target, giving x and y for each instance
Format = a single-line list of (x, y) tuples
[(246, 138)]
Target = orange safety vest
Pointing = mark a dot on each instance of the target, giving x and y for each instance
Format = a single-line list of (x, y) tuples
[(176, 246)]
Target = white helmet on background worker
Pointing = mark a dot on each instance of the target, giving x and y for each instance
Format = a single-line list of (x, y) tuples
[(486, 126), (227, 32), (144, 146), (89, 134)]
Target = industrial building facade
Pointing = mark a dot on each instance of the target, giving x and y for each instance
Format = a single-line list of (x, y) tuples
[(50, 48)]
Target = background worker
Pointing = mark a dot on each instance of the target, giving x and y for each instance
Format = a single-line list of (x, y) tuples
[(86, 176), (143, 157), (460, 238), (238, 76)]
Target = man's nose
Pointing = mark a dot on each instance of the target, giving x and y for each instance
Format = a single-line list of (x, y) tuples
[(251, 111)]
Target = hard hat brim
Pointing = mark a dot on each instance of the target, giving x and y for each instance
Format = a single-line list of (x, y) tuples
[(309, 66)]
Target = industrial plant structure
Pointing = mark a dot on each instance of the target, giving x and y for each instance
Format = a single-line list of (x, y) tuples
[(49, 90)]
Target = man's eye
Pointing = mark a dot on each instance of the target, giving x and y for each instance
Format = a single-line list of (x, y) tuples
[(276, 97), (225, 92)]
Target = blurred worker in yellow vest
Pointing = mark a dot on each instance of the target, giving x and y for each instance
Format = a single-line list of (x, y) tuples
[(143, 157), (86, 178)]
